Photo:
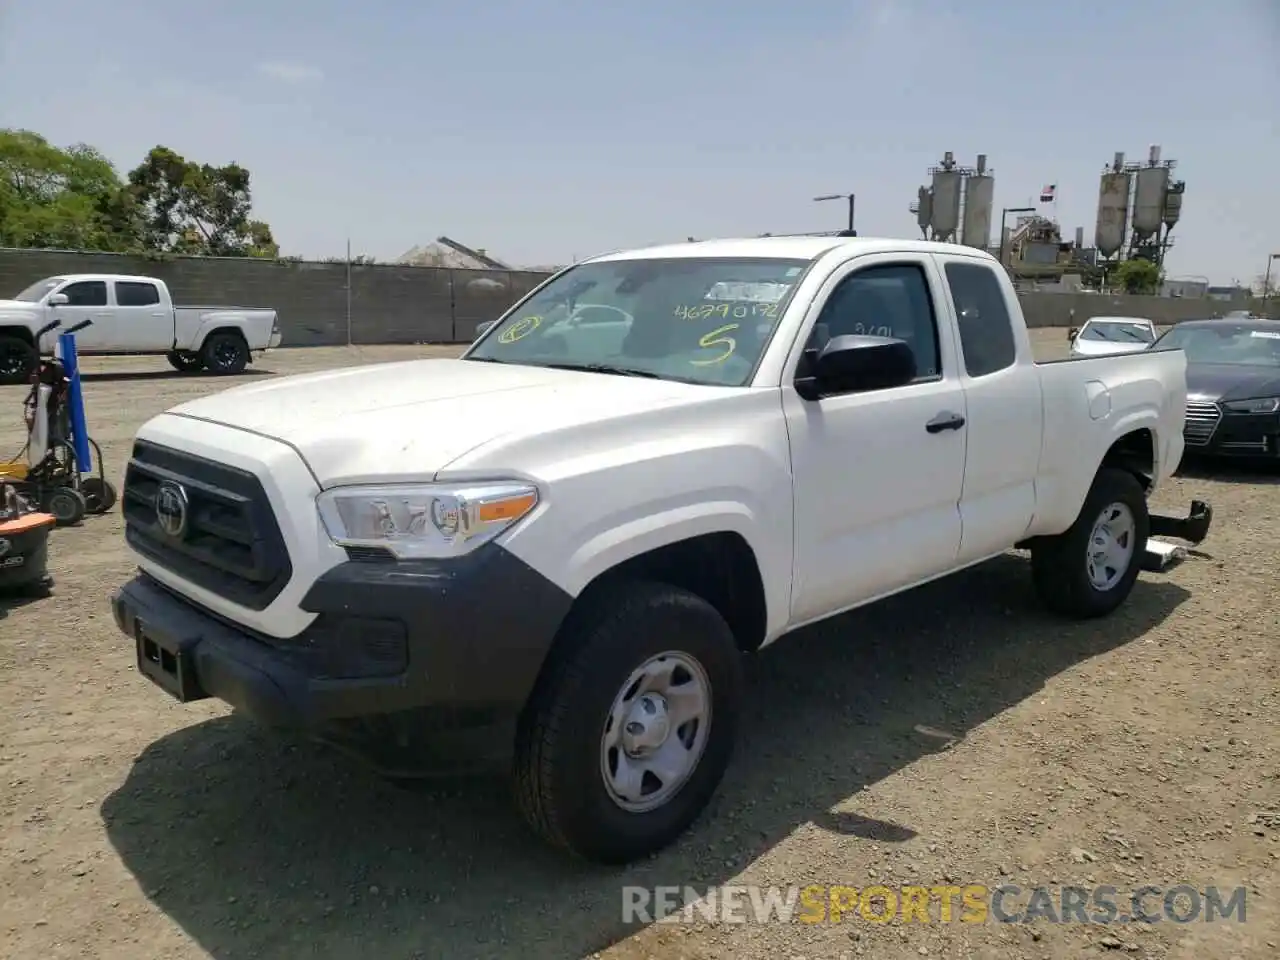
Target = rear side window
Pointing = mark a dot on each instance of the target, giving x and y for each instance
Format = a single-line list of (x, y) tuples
[(986, 329), (132, 294), (86, 293)]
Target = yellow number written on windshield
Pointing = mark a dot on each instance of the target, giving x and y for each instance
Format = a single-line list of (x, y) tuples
[(736, 311)]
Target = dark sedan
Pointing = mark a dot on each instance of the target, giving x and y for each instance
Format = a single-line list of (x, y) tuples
[(1233, 385)]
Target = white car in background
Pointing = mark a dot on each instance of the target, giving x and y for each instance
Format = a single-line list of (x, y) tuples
[(1104, 336)]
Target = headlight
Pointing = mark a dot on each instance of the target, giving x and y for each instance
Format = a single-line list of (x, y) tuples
[(1260, 405), (424, 520)]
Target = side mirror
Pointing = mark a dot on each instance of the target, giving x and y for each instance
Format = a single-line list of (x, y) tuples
[(852, 364), (483, 327), (58, 300), (1072, 334)]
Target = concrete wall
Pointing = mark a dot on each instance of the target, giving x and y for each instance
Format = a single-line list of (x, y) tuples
[(397, 304)]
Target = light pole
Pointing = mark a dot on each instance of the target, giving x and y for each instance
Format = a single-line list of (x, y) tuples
[(1266, 282), (1003, 215), (840, 196)]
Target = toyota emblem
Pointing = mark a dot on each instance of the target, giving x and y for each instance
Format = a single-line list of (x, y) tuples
[(171, 509)]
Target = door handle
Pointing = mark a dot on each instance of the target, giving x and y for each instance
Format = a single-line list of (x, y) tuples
[(945, 421)]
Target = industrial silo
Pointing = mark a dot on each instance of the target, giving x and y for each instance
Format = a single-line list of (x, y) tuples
[(1173, 205), (924, 210), (979, 193), (1149, 196), (945, 215), (1113, 209)]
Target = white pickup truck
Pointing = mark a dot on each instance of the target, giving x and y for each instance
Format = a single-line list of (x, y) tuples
[(128, 315), (660, 460)]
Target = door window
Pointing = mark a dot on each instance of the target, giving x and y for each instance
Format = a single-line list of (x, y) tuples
[(86, 293), (887, 300)]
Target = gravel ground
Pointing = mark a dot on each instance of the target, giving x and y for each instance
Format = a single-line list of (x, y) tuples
[(952, 735)]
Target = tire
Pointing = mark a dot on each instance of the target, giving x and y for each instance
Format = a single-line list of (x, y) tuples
[(561, 762), (17, 361), (224, 354), (66, 504), (1061, 567), (184, 361), (99, 494)]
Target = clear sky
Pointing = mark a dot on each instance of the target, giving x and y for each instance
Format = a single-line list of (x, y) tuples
[(549, 129)]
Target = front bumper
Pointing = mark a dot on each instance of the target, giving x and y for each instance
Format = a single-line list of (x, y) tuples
[(1237, 435), (466, 636)]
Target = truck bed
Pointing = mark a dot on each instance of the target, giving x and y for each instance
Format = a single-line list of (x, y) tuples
[(1076, 394)]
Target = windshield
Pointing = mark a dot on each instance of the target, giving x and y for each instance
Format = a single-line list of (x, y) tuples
[(1117, 331), (694, 319), (38, 289), (1226, 342)]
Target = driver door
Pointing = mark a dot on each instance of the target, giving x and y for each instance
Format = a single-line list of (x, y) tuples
[(877, 484), (86, 300)]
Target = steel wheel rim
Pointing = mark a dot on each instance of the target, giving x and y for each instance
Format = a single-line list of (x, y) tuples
[(1111, 546), (656, 732)]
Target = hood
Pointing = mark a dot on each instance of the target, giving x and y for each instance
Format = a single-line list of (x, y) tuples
[(7, 305), (410, 420), (1101, 348), (1231, 381)]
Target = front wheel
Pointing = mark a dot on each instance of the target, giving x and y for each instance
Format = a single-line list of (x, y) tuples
[(67, 506), (17, 360), (184, 361), (632, 725), (1090, 569)]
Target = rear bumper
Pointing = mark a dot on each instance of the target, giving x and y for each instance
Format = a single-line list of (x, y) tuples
[(465, 637), (274, 340)]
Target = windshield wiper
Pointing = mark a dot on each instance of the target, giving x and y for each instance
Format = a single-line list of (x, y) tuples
[(603, 368)]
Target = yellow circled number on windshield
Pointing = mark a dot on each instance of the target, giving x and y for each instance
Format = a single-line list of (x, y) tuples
[(717, 338), (520, 329)]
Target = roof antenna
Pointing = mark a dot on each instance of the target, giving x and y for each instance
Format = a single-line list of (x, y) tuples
[(847, 233)]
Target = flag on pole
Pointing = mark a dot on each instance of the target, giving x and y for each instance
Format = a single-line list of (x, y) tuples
[(1048, 193)]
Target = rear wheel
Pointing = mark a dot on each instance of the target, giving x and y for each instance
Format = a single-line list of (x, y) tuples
[(632, 725), (184, 361), (225, 353), (1090, 569), (99, 494), (17, 360)]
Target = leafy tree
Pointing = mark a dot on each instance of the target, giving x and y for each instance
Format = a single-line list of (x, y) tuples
[(51, 197), (185, 207), (1269, 287), (1137, 276)]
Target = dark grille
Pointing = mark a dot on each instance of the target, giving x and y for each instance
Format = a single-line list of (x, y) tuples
[(232, 546), (1201, 421)]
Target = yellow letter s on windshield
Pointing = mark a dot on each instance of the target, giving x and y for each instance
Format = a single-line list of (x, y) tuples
[(716, 339)]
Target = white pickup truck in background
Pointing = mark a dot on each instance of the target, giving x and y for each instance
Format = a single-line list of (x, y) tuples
[(656, 462), (133, 315)]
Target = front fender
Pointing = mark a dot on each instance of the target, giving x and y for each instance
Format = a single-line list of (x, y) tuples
[(574, 555)]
